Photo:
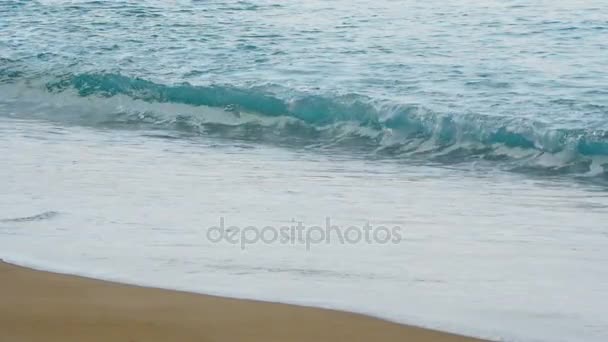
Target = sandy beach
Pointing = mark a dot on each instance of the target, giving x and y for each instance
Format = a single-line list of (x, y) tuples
[(43, 306)]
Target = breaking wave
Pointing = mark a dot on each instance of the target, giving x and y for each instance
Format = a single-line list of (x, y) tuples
[(274, 114)]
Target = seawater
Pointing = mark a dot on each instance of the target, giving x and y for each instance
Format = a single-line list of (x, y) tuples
[(127, 129)]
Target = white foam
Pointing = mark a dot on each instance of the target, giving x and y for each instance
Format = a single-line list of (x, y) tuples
[(491, 256)]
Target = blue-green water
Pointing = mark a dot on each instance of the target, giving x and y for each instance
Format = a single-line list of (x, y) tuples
[(129, 128), (516, 85)]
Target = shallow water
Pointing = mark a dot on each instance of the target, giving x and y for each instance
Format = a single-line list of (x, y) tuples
[(129, 129), (494, 255)]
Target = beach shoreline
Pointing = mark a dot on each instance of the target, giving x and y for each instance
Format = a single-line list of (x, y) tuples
[(45, 306)]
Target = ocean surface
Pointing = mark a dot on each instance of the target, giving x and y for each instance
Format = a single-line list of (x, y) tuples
[(129, 130)]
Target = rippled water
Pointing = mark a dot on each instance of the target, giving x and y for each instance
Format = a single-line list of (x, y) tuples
[(127, 128), (518, 85)]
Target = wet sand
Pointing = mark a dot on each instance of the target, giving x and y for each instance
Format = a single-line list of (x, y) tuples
[(43, 306)]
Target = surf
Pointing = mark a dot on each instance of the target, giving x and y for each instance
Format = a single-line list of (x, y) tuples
[(353, 123)]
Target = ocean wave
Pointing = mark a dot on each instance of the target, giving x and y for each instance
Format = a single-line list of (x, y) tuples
[(274, 114)]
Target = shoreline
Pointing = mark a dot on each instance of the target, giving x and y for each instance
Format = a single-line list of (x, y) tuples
[(45, 306)]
